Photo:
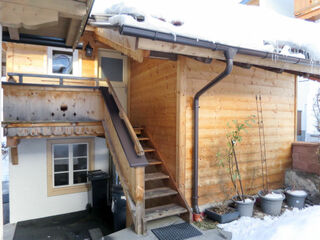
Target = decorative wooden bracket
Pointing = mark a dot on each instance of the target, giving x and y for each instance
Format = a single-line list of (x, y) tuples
[(13, 144)]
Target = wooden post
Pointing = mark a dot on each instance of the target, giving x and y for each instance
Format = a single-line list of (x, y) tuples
[(14, 155)]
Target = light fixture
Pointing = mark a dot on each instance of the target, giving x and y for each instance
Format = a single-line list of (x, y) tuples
[(89, 50)]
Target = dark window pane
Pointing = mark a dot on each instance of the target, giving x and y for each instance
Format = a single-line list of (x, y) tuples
[(80, 177), (112, 68), (61, 165), (61, 179), (79, 163), (79, 150), (60, 151), (62, 62)]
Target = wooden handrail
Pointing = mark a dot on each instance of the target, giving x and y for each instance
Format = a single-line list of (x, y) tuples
[(137, 146)]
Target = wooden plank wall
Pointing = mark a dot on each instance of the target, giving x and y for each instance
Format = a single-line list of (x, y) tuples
[(27, 58), (153, 104), (234, 98)]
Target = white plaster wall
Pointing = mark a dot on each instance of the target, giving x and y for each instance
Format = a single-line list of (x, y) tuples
[(28, 183)]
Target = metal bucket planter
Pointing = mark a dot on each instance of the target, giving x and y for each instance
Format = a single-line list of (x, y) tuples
[(245, 208), (295, 199), (233, 214), (271, 206)]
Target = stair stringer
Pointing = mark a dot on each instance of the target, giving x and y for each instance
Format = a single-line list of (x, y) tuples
[(172, 184), (131, 179)]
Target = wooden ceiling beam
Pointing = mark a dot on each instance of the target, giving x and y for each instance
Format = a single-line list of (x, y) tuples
[(72, 31), (13, 15), (65, 8), (147, 44), (124, 44), (14, 33)]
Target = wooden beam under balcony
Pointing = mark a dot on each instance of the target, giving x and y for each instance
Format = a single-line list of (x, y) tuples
[(22, 130)]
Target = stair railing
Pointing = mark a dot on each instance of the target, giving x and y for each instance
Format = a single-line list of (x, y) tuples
[(131, 178), (123, 115)]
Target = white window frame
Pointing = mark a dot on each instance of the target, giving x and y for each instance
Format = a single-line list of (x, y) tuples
[(117, 55), (76, 62), (70, 163)]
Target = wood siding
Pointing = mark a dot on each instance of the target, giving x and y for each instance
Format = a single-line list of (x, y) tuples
[(153, 104), (234, 98), (26, 58)]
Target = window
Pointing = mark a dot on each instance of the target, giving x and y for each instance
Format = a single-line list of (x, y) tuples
[(63, 61), (68, 163), (113, 65), (112, 68)]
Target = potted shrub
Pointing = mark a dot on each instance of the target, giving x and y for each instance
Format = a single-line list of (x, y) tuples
[(295, 198), (271, 201), (222, 214), (228, 159)]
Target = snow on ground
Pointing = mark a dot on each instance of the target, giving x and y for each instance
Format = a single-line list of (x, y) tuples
[(294, 225), (219, 21)]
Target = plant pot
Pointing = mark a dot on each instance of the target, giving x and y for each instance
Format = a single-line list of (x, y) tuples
[(296, 198), (231, 215), (245, 208), (271, 205)]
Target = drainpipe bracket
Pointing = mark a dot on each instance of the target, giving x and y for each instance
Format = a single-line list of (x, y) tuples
[(230, 53)]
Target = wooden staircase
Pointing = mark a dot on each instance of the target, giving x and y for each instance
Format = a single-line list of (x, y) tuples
[(162, 196), (148, 186)]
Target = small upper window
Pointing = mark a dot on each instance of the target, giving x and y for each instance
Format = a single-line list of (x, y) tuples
[(112, 68), (62, 61)]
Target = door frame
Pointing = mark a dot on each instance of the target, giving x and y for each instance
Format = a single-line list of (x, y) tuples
[(118, 55)]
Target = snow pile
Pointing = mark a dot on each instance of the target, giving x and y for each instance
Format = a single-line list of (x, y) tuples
[(293, 225), (219, 21), (274, 195), (247, 200), (298, 193)]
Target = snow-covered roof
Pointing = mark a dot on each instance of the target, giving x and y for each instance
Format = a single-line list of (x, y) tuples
[(219, 21)]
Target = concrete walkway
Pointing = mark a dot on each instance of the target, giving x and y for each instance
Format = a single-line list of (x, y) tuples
[(127, 233), (8, 231)]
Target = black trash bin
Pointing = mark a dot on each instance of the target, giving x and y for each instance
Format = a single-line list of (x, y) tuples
[(118, 208), (99, 190)]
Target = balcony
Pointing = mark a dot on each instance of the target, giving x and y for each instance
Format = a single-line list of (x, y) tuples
[(64, 106)]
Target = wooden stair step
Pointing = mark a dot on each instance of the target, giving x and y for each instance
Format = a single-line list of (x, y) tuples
[(143, 139), (155, 176), (138, 130), (159, 192), (148, 149), (163, 211), (154, 161)]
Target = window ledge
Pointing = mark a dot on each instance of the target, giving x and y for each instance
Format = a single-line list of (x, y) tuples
[(68, 190)]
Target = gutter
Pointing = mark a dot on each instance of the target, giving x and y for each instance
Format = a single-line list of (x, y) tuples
[(229, 55), (173, 38)]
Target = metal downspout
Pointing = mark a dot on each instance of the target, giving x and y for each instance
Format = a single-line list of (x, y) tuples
[(229, 54)]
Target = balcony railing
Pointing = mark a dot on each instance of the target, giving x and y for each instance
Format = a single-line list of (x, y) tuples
[(57, 80)]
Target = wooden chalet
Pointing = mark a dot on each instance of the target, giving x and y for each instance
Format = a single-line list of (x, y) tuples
[(147, 118)]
